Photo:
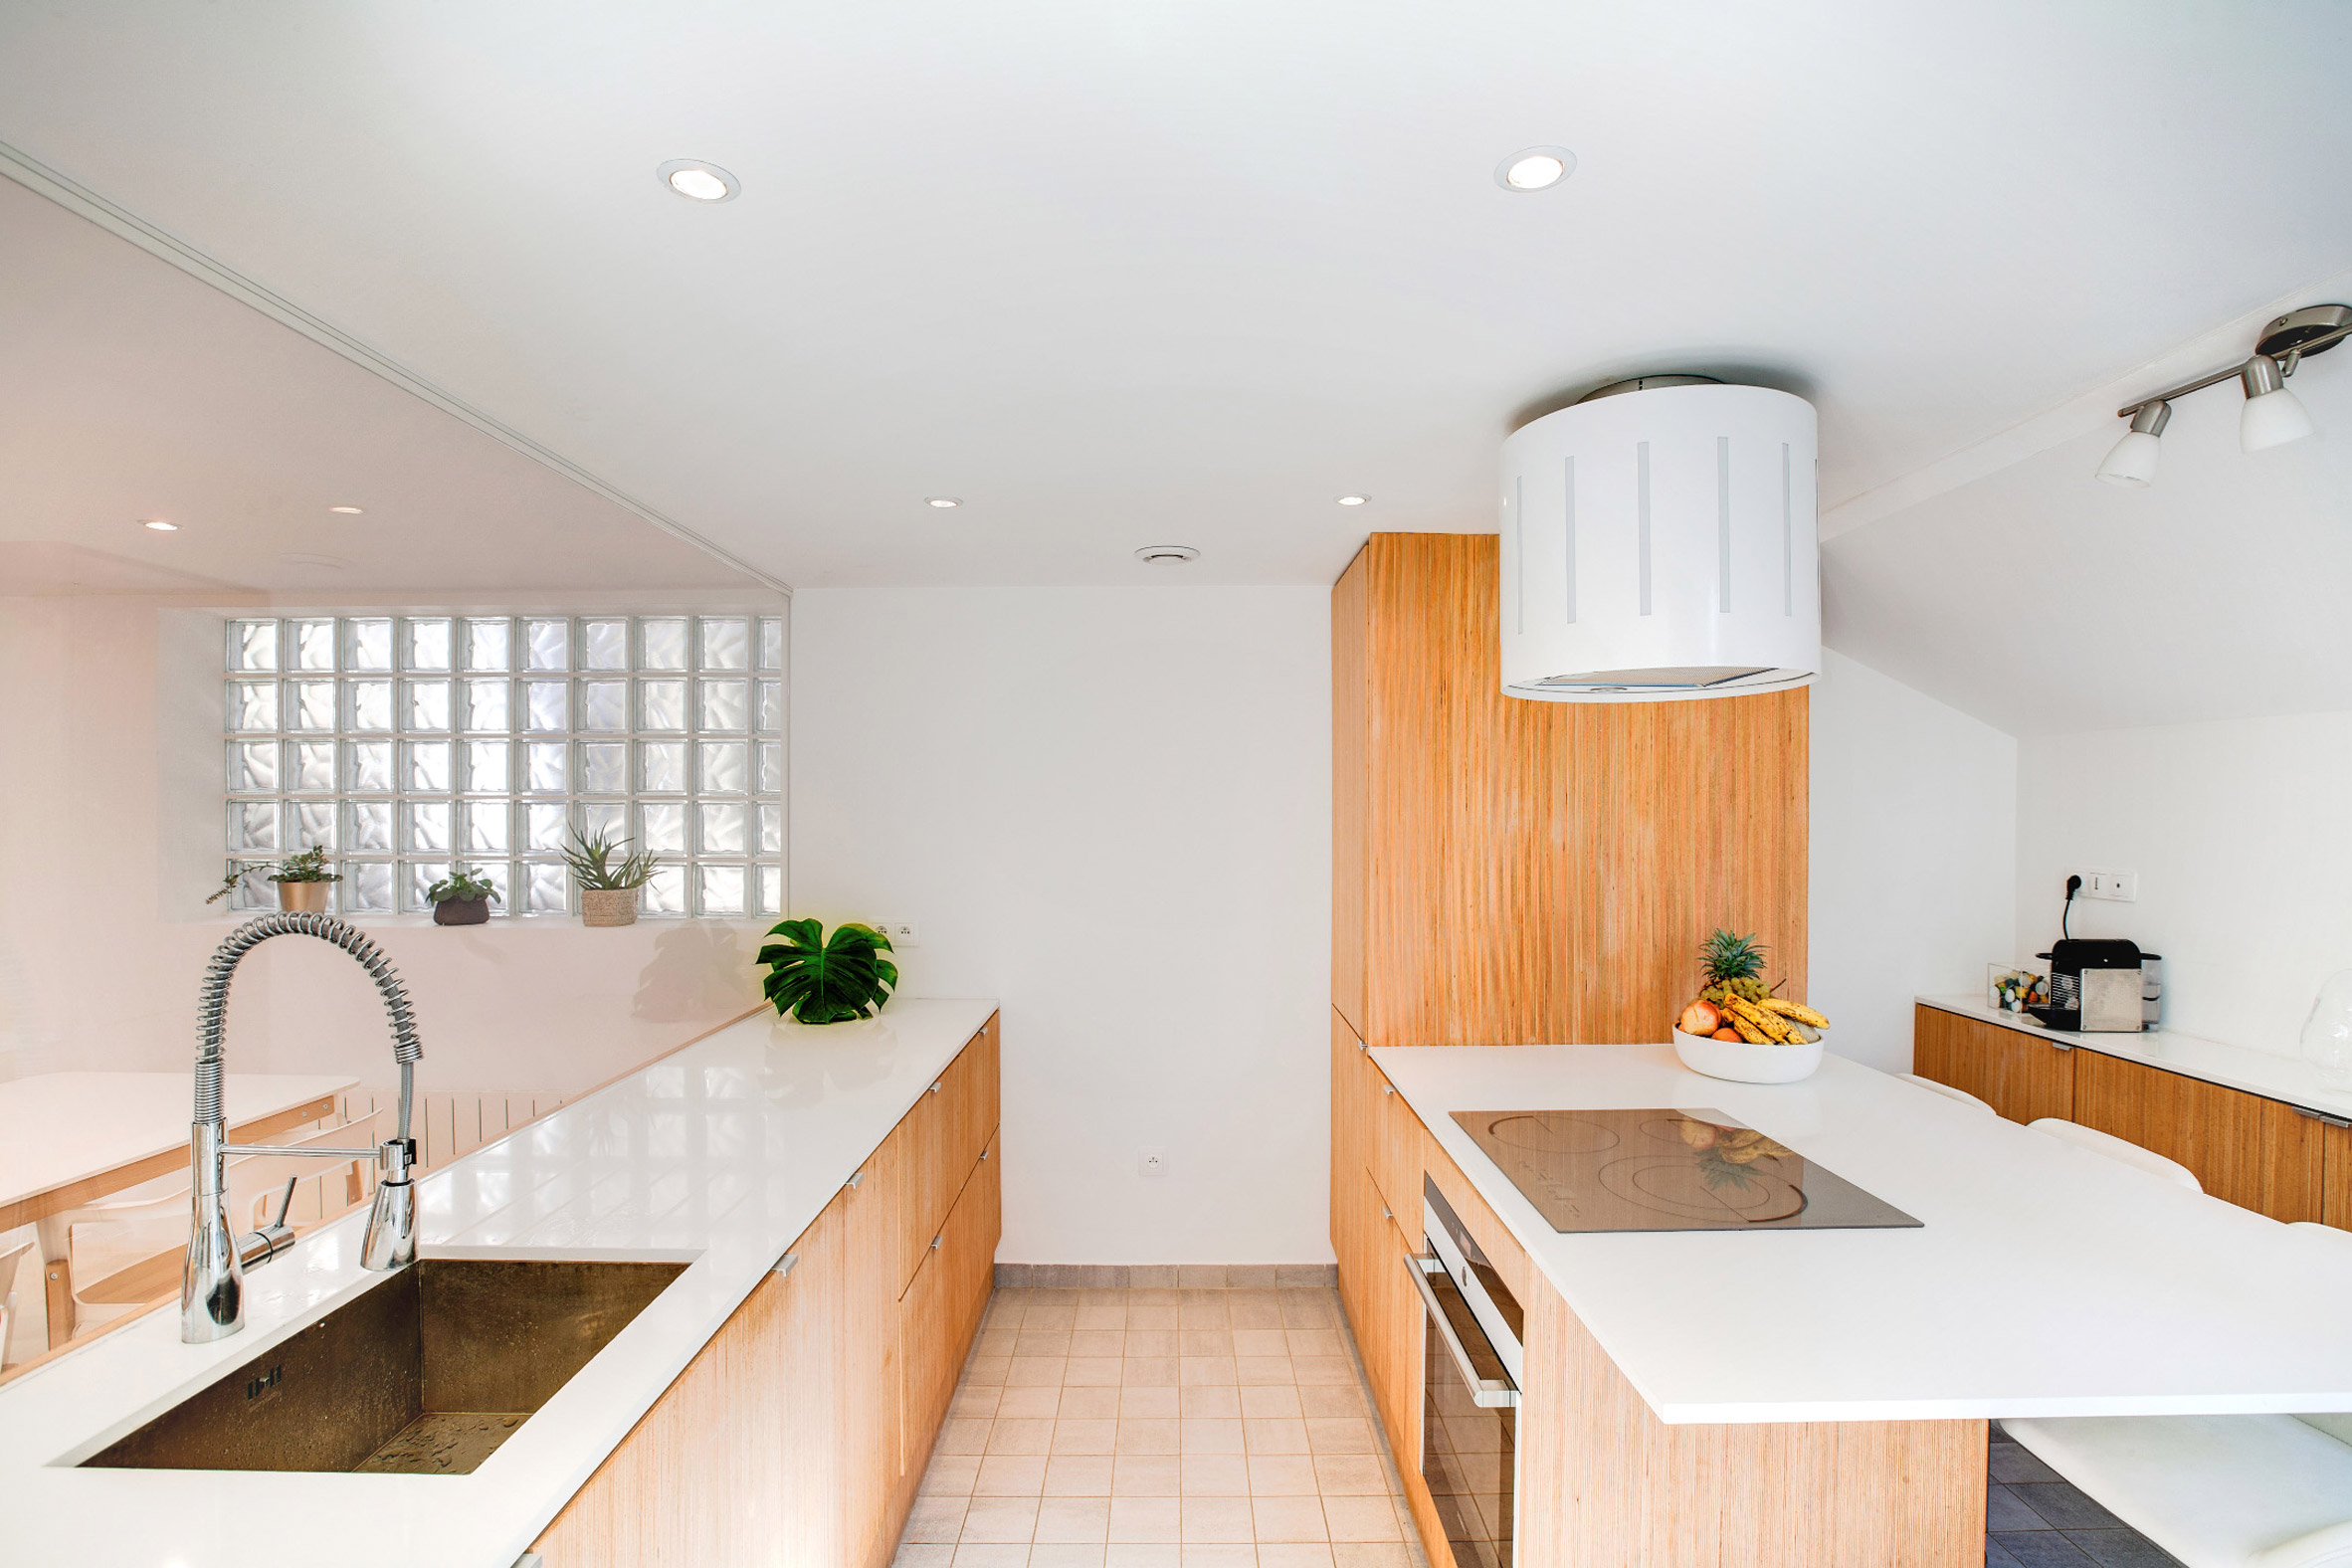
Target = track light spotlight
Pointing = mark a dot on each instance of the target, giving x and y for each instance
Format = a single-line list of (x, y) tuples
[(2272, 416), (2133, 461)]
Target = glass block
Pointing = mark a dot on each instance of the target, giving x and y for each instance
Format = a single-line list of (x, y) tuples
[(372, 827), (726, 642), (771, 708), (487, 706), (604, 644), (725, 705), (490, 643), (722, 828), (313, 644), (547, 704), (253, 645), (722, 889), (371, 644), (367, 886), (428, 643), (253, 704), (426, 768), (548, 643), (771, 890), (608, 816), (771, 644), (548, 769), (664, 642), (501, 876), (545, 826), (255, 890), (372, 704), (417, 877), (661, 828), (428, 825), (314, 824), (312, 706), (771, 768), (313, 767), (661, 704), (771, 829), (253, 767), (546, 887), (724, 763), (666, 892), (253, 825), (369, 768), (489, 769), (604, 768), (425, 706), (662, 767), (603, 706), (487, 828)]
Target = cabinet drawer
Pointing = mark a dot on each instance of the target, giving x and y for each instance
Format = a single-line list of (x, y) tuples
[(2020, 1077)]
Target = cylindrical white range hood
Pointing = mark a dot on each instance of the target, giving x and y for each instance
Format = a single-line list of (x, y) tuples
[(1659, 542)]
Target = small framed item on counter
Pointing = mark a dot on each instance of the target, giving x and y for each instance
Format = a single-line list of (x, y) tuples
[(2009, 989)]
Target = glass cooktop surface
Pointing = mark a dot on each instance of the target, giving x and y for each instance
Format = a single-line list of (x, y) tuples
[(1667, 1170)]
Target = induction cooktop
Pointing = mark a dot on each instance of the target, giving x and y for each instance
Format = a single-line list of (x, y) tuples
[(1667, 1170)]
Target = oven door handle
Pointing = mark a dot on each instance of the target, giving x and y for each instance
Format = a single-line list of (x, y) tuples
[(1489, 1393)]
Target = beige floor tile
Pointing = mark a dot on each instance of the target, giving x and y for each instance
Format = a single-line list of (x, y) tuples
[(1060, 1556), (1261, 1342), (1127, 1554), (1147, 1476), (949, 1476), (1315, 1342), (1350, 1476), (1034, 1371), (1146, 1519), (936, 1519), (1205, 1369), (1371, 1554), (958, 1436), (974, 1401), (1078, 1475), (1028, 1401), (1092, 1372), (910, 1555), (1152, 1342), (1210, 1311), (1042, 1342), (1282, 1475), (1255, 1314), (1276, 1399), (1299, 1314), (1290, 1554), (1149, 1372), (1111, 1312), (986, 1371), (1072, 1519), (1157, 1400), (1287, 1518), (1020, 1436), (1362, 1519), (1274, 1435), (1151, 1314), (1262, 1371), (1053, 1309), (1336, 1435), (1089, 1404), (1209, 1399), (1212, 1434), (1204, 1342), (1334, 1370), (1085, 1437), (1215, 1520), (1148, 1436), (1215, 1476), (996, 1521), (986, 1556), (1218, 1556), (1099, 1342), (1010, 1475), (1332, 1399)]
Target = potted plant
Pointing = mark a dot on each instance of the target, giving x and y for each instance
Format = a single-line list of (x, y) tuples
[(301, 880), (828, 980), (1737, 1029), (462, 898), (608, 887)]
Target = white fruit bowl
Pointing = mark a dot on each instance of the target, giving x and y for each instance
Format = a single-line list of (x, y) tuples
[(1743, 1063)]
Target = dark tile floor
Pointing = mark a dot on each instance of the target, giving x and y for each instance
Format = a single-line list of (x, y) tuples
[(2036, 1518)]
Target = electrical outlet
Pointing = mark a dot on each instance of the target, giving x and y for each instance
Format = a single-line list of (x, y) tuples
[(2114, 887), (1154, 1163), (903, 933)]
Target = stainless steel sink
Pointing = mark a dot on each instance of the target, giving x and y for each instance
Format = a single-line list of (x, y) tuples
[(426, 1374)]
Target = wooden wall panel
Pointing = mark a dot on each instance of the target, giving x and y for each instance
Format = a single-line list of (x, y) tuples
[(1539, 872), (2335, 1198), (2246, 1150), (2020, 1077)]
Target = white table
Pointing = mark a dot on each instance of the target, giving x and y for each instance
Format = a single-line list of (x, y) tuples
[(68, 1138)]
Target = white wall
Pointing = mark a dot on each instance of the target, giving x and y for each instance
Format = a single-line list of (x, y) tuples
[(2241, 831), (1914, 817), (1111, 810)]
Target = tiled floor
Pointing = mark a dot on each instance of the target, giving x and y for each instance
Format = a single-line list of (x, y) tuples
[(1159, 1428), (2036, 1518)]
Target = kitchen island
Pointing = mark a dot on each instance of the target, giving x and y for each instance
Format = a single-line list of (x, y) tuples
[(720, 1156)]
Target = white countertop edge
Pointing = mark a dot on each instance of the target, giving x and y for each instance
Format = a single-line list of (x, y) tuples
[(2288, 1080)]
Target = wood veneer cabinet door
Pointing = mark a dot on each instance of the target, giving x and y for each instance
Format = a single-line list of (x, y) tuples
[(1395, 1149), (875, 1493), (941, 1310), (2254, 1152), (2335, 1198), (2022, 1077)]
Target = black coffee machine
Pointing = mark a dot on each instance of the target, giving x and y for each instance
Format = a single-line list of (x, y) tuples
[(2113, 1008)]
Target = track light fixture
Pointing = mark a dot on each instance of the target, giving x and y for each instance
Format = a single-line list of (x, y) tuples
[(2272, 415)]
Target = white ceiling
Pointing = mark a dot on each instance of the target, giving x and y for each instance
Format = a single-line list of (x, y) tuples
[(1127, 275)]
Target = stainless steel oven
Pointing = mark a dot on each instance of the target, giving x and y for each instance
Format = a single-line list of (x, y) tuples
[(1471, 1363)]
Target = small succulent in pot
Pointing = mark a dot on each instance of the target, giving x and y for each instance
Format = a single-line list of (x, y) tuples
[(828, 980), (608, 885), (302, 880), (462, 898)]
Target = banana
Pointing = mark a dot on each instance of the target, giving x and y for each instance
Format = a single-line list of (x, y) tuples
[(1769, 1023), (1798, 1011), (1747, 1031)]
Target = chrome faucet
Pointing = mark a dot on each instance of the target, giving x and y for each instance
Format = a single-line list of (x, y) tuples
[(212, 1283)]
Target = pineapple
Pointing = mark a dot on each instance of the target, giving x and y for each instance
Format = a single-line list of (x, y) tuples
[(1733, 968)]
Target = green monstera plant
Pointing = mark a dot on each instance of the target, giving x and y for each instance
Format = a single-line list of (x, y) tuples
[(828, 980)]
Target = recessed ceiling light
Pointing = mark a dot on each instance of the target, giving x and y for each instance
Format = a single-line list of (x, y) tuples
[(1534, 168), (698, 181), (349, 512), (159, 525), (1354, 500), (944, 501), (1167, 554)]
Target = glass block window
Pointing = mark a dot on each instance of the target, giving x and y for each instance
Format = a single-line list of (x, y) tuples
[(409, 744)]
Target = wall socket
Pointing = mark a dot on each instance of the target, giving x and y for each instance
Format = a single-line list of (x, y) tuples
[(2114, 885), (903, 933), (1154, 1163)]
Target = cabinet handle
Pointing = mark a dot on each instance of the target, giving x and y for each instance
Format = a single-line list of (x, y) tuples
[(935, 1086), (1387, 1213), (784, 1264), (1388, 1089), (984, 1154), (2321, 1115), (936, 1241), (856, 1178)]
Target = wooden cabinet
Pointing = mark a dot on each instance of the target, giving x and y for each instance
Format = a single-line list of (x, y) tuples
[(2022, 1077), (943, 1306), (871, 1422), (2254, 1152), (2335, 1197)]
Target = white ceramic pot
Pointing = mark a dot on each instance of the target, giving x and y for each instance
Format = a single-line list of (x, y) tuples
[(1743, 1063)]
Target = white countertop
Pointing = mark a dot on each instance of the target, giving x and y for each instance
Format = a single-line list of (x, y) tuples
[(57, 1128), (721, 1153), (2046, 1280), (2287, 1078)]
